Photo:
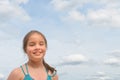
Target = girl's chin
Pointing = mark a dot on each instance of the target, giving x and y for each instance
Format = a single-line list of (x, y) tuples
[(37, 59), (38, 56)]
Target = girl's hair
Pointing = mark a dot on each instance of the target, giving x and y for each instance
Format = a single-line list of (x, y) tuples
[(25, 41)]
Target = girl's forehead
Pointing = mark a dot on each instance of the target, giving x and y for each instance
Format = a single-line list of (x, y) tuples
[(36, 36)]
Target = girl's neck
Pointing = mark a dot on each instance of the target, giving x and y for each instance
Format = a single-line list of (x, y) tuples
[(33, 64)]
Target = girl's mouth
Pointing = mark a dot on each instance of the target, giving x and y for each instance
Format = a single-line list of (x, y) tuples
[(37, 53)]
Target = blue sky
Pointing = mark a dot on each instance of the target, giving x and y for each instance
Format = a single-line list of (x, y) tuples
[(83, 36)]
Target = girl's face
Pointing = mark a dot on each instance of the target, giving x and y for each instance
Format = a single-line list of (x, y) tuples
[(36, 47)]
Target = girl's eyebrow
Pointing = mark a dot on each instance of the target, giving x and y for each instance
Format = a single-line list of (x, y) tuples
[(42, 41), (34, 41), (31, 42)]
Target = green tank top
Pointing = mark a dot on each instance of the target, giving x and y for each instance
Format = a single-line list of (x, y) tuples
[(28, 77)]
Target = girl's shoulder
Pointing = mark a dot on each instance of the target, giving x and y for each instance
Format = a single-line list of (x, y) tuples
[(16, 74)]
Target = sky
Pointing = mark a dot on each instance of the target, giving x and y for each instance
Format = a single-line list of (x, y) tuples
[(83, 36)]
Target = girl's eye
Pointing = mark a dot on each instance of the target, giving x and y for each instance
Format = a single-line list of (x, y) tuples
[(31, 44), (41, 44)]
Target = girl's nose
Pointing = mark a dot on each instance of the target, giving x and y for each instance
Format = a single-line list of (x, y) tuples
[(37, 46)]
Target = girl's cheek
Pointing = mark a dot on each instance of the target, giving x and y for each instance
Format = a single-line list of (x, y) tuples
[(28, 49)]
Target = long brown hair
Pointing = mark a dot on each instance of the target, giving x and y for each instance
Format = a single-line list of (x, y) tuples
[(25, 41)]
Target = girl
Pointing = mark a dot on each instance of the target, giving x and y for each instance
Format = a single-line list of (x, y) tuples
[(34, 45)]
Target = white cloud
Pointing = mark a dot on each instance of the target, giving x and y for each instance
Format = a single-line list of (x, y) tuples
[(98, 15), (12, 10), (74, 59), (1, 76), (60, 4), (9, 31), (99, 76), (113, 61), (105, 13), (116, 53), (64, 5), (105, 17), (74, 16), (20, 1), (4, 36)]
